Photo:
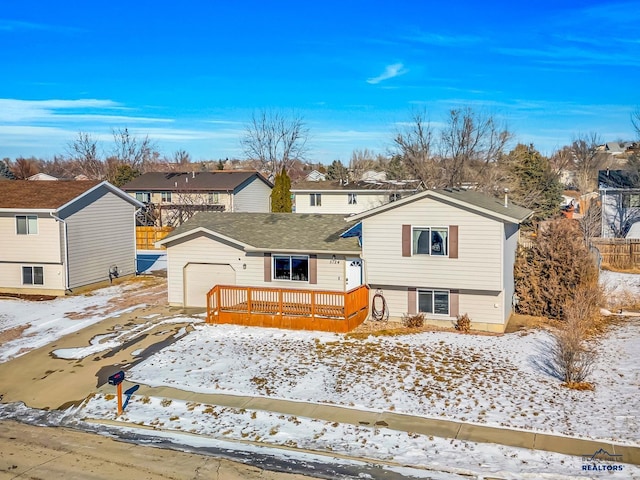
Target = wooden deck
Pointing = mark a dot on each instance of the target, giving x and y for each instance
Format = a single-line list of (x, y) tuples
[(323, 310)]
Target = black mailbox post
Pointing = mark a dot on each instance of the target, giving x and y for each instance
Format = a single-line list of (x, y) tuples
[(117, 379)]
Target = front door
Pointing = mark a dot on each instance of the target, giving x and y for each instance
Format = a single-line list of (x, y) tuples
[(354, 273)]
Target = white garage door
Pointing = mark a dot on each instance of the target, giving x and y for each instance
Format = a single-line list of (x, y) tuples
[(199, 278)]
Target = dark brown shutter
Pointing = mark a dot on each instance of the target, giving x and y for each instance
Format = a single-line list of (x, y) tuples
[(313, 269), (267, 267), (412, 304), (406, 240), (453, 241), (454, 303)]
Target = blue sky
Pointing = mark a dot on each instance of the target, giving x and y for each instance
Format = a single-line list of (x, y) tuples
[(190, 74)]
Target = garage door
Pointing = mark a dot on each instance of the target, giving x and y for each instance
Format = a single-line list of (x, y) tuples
[(199, 278)]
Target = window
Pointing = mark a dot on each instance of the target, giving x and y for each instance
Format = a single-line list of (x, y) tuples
[(433, 301), (32, 276), (166, 197), (431, 241), (291, 267), (630, 200), (27, 224), (394, 196), (315, 199), (353, 199), (213, 198), (144, 197)]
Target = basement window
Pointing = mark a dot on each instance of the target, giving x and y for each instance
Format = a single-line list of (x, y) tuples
[(32, 276)]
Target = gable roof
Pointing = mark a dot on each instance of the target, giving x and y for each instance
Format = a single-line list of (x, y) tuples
[(29, 195), (362, 185), (222, 180), (618, 179), (283, 232), (476, 201)]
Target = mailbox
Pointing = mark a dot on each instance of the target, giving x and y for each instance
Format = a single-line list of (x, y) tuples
[(116, 378)]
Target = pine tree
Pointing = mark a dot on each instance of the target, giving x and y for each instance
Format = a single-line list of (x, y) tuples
[(281, 193), (533, 183), (5, 171)]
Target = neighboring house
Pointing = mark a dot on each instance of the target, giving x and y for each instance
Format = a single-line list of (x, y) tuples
[(58, 236), (440, 252), (620, 199), (315, 176), (230, 191), (373, 176), (348, 198), (257, 249), (42, 176)]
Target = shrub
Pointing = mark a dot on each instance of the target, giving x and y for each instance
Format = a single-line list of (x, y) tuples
[(463, 323), (413, 320)]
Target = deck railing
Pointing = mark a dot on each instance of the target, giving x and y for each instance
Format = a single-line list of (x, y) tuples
[(288, 308)]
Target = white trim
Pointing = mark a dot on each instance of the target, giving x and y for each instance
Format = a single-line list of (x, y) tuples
[(438, 196), (65, 262), (166, 240)]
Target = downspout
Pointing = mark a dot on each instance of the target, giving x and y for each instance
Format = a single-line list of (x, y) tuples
[(135, 239), (66, 250)]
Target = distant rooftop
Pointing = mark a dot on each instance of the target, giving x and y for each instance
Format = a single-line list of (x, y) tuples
[(222, 180)]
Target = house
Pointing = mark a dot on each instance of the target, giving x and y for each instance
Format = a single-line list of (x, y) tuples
[(58, 236), (315, 176), (178, 195), (42, 176), (337, 197), (440, 252), (620, 199), (259, 250)]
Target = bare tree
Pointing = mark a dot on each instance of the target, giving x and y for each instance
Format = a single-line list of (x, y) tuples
[(468, 138), (588, 160), (132, 151), (590, 223), (635, 121), (83, 151), (181, 157), (360, 162), (276, 140), (23, 168), (414, 146)]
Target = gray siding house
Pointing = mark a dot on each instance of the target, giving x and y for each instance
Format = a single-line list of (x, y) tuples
[(58, 236)]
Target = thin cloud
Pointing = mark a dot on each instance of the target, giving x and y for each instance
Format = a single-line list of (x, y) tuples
[(391, 71), (7, 25), (444, 40)]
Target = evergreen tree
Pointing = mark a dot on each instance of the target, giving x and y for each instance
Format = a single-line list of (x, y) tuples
[(124, 174), (281, 193), (337, 171), (5, 171), (533, 183)]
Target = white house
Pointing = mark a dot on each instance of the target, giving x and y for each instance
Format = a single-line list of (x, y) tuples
[(58, 236), (620, 199), (337, 197), (440, 252)]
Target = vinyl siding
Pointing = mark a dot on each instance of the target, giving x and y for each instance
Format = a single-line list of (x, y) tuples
[(338, 202), (11, 278), (201, 248), (483, 307), (255, 196), (101, 233), (511, 233), (480, 248), (41, 247)]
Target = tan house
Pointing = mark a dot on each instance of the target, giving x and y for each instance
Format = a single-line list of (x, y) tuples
[(58, 236), (439, 252), (224, 190), (337, 197)]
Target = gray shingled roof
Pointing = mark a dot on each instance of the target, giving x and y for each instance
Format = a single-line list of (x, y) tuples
[(618, 179), (361, 185), (223, 180), (276, 231)]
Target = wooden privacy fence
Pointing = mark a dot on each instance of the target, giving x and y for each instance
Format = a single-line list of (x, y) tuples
[(146, 237), (327, 311), (623, 253)]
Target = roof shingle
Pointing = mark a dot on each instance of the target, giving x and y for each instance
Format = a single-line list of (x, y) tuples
[(24, 194), (223, 180)]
